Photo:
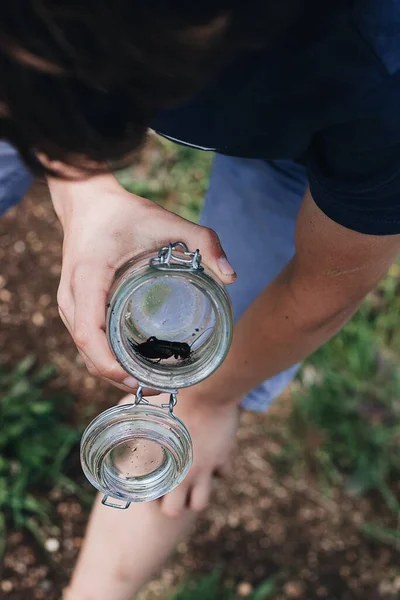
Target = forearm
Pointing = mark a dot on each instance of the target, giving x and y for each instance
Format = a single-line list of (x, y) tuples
[(311, 299), (284, 325)]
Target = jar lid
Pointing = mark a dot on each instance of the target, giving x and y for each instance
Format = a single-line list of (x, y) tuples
[(136, 452), (169, 319)]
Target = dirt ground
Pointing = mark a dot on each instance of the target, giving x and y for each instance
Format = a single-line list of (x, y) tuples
[(261, 523)]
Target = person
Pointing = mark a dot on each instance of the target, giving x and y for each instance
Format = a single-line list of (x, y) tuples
[(300, 102)]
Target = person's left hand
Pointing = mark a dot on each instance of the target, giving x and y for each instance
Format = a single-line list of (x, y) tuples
[(212, 428)]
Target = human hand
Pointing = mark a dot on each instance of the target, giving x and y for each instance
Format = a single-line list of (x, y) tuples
[(103, 227), (212, 428)]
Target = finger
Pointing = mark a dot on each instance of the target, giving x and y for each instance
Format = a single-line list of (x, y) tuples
[(66, 309), (209, 244), (65, 320), (200, 494), (93, 370), (90, 288), (120, 386), (91, 367), (88, 363), (175, 503), (214, 255)]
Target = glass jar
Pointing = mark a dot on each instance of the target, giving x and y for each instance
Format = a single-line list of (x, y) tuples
[(169, 324), (135, 453), (171, 299)]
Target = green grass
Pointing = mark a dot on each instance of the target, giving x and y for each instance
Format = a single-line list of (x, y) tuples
[(172, 175), (345, 422), (35, 443), (212, 588)]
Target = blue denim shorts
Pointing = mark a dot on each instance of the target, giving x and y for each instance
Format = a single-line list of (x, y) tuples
[(252, 205), (15, 179)]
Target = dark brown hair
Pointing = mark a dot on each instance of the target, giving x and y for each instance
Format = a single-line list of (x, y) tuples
[(85, 78)]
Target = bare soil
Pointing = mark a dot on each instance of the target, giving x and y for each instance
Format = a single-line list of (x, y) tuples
[(262, 523)]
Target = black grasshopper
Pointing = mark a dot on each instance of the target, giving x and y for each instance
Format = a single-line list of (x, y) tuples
[(154, 348)]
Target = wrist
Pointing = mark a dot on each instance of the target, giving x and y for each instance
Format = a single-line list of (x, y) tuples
[(105, 182), (68, 194)]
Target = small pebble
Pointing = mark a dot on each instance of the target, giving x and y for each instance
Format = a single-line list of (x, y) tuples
[(244, 589), (89, 382), (385, 588), (6, 586), (294, 589), (309, 376), (45, 585), (5, 295), (55, 269), (233, 521), (37, 246), (44, 299), (265, 503), (345, 571), (19, 247), (38, 319), (52, 545), (79, 360)]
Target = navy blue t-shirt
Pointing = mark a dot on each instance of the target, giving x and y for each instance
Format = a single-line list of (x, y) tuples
[(327, 94)]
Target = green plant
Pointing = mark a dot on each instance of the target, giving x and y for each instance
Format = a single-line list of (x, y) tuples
[(377, 533), (212, 588), (172, 175), (34, 445), (346, 424)]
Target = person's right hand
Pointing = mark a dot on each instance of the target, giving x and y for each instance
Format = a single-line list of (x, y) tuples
[(104, 226)]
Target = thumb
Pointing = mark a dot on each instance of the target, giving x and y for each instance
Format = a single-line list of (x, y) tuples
[(214, 256)]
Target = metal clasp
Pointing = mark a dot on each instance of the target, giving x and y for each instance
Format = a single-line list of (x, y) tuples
[(139, 399), (166, 259), (139, 396), (106, 502), (173, 399), (172, 403)]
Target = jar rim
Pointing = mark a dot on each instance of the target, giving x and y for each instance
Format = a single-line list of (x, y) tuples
[(156, 374), (125, 424)]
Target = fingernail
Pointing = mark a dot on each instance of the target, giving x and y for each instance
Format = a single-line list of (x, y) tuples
[(225, 267), (130, 382)]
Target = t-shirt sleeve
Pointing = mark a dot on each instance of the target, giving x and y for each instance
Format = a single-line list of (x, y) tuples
[(354, 172)]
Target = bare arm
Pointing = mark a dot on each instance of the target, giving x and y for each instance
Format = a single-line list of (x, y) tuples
[(308, 302)]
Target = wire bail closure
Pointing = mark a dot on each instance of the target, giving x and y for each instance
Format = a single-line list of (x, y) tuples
[(173, 399), (166, 259), (105, 501), (139, 399)]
